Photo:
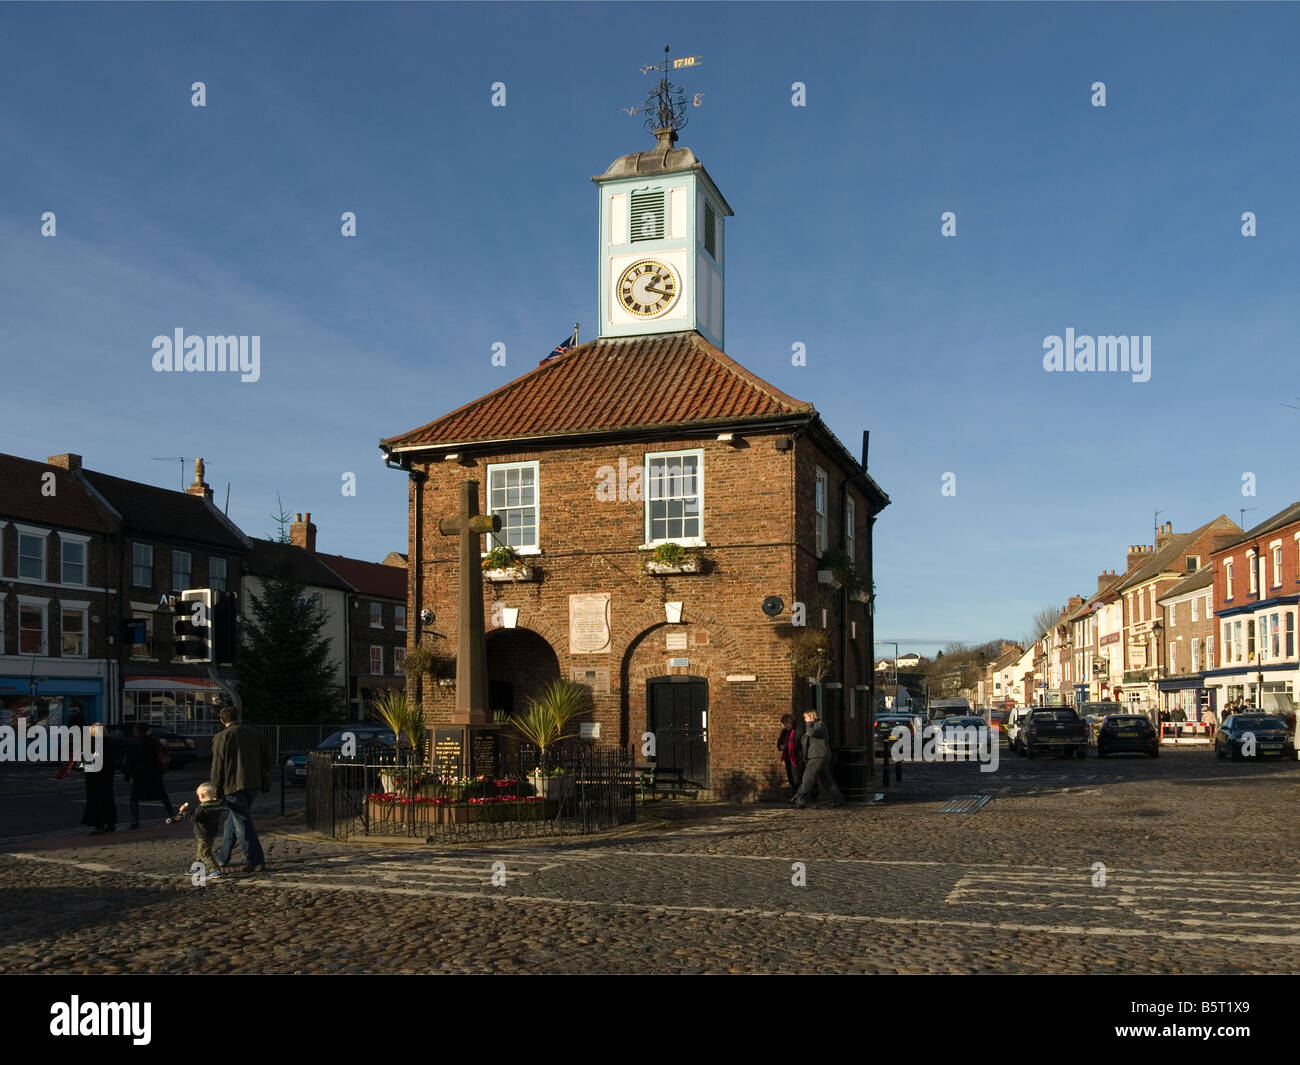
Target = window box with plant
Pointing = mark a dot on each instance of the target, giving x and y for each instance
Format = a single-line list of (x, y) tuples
[(502, 564), (836, 570), (669, 558)]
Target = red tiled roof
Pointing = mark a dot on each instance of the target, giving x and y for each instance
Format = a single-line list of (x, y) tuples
[(70, 506), (677, 379), (369, 578)]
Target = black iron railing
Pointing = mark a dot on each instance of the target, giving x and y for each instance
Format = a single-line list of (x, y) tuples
[(583, 789)]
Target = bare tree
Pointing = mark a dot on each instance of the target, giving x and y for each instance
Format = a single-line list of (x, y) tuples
[(1044, 620)]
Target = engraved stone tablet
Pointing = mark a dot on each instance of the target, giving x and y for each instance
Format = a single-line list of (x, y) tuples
[(589, 624)]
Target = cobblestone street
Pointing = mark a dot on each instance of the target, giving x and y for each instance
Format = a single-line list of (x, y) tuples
[(891, 886)]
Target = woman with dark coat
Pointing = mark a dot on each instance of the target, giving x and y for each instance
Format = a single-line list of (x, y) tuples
[(101, 809), (144, 769)]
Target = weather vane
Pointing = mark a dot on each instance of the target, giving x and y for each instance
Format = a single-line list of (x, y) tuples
[(665, 106)]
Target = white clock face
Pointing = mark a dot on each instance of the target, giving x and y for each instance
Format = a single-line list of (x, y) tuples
[(648, 288)]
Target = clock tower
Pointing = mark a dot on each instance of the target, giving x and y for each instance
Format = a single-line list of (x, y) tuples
[(662, 253)]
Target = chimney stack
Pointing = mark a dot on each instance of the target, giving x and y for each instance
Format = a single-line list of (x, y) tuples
[(302, 533), (1164, 535), (69, 462), (199, 487), (1137, 554)]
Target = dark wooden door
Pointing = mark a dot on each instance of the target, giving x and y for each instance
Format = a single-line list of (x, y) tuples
[(677, 711)]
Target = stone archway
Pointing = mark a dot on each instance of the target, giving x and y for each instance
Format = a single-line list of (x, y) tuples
[(632, 679), (520, 663)]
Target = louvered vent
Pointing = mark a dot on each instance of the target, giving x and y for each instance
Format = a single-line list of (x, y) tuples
[(710, 230), (648, 215)]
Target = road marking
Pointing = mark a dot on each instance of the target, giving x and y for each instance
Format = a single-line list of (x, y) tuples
[(1128, 902), (965, 804)]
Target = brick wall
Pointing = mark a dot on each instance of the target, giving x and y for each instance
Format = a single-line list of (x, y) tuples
[(759, 526)]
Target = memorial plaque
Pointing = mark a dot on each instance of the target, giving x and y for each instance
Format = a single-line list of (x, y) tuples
[(675, 641), (483, 752), (589, 624), (448, 751), (595, 679)]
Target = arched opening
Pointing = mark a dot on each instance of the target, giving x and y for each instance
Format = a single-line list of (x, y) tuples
[(520, 663)]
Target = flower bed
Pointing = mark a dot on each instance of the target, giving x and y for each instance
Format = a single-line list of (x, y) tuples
[(389, 808)]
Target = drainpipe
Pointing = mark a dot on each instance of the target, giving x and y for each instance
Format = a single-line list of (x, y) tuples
[(870, 657), (844, 602), (415, 561)]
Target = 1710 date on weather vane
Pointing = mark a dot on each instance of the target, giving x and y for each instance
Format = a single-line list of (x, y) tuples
[(665, 106)]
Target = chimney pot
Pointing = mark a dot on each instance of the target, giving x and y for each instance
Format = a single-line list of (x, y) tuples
[(199, 487), (302, 533)]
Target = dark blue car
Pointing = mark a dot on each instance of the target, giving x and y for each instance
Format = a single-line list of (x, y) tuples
[(370, 736), (1253, 735)]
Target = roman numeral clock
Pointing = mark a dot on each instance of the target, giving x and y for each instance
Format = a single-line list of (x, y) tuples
[(661, 244)]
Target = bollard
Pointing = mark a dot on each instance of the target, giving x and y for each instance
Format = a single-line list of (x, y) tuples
[(884, 765)]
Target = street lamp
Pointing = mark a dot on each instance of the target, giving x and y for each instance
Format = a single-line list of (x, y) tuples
[(1156, 629), (894, 645)]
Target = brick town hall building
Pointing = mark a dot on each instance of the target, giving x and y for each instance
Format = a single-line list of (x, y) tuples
[(652, 435)]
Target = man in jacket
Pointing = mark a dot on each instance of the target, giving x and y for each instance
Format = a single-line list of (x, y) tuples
[(241, 766), (817, 763)]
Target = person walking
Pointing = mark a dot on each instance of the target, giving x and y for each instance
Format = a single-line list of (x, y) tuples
[(101, 808), (785, 743), (241, 766), (146, 759), (817, 763), (207, 823)]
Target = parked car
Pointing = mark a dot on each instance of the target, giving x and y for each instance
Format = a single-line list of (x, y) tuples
[(1127, 732), (887, 727), (370, 736), (1057, 729), (963, 736), (180, 748), (998, 723), (1017, 718), (1270, 733)]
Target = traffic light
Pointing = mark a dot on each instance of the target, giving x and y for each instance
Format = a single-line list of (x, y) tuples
[(192, 626), (225, 634)]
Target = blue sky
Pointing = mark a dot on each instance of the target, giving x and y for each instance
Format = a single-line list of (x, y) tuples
[(1117, 220)]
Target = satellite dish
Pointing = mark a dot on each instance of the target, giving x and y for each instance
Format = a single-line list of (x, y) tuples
[(772, 606)]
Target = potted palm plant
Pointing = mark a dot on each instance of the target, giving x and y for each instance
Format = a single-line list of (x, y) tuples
[(406, 719), (545, 723)]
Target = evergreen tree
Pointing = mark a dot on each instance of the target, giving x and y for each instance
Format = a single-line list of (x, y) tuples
[(284, 668)]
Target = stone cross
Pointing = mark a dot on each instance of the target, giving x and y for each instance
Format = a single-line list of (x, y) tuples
[(471, 645)]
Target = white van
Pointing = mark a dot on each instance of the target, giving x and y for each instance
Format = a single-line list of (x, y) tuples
[(1014, 726), (941, 708)]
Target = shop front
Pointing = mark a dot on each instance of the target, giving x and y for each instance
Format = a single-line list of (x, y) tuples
[(186, 705), (46, 700), (1187, 698)]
